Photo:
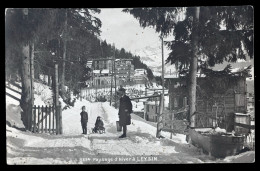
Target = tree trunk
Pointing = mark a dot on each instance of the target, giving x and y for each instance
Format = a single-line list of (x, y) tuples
[(64, 57), (26, 86), (193, 67)]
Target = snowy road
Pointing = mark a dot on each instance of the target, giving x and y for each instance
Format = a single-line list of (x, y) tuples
[(140, 146)]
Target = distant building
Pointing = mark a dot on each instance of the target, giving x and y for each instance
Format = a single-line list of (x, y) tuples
[(124, 71), (102, 69), (140, 76)]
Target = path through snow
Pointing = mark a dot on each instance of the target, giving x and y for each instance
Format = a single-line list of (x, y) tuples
[(75, 148)]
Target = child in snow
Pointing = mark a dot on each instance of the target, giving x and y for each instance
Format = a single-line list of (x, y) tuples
[(84, 119), (99, 125)]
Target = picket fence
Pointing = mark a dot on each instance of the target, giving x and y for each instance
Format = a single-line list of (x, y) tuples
[(46, 119)]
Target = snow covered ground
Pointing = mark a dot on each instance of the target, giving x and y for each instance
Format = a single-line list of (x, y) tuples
[(72, 147)]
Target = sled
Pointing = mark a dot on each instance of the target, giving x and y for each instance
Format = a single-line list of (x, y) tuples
[(217, 145), (100, 131)]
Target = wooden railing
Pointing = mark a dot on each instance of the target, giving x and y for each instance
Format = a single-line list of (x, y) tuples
[(13, 90), (174, 121)]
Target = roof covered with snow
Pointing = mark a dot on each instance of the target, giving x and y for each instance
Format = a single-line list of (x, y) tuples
[(170, 76), (96, 71), (105, 71)]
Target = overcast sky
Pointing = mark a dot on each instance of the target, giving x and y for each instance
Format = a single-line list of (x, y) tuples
[(124, 30)]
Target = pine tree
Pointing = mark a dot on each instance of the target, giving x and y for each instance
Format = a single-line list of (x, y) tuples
[(210, 43), (23, 28)]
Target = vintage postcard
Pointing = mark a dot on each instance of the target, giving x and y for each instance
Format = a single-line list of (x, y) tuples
[(158, 85)]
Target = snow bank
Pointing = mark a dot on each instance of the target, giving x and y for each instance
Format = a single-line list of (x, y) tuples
[(13, 116), (246, 157), (30, 140), (10, 100), (42, 94), (219, 130), (38, 100), (138, 106), (13, 110)]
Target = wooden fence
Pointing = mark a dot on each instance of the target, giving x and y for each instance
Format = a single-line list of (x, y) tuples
[(174, 121), (46, 119)]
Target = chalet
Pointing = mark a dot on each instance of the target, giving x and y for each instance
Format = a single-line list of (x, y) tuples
[(217, 98)]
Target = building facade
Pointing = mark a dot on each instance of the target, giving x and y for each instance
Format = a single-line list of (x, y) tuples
[(124, 71), (216, 97), (140, 76), (103, 69)]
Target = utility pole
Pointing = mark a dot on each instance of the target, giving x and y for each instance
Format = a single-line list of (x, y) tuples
[(115, 74), (32, 77), (162, 74)]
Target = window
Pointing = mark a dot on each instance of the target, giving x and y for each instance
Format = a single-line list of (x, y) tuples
[(175, 102), (157, 109)]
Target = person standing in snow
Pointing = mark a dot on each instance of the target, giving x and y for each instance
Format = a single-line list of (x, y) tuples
[(125, 109), (84, 119)]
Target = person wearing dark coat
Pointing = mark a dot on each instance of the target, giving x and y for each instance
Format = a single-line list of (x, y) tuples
[(125, 109), (84, 119)]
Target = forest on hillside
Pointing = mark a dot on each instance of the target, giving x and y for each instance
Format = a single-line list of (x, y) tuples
[(69, 37)]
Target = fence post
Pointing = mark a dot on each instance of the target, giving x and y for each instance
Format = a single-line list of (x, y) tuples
[(53, 116), (38, 109), (49, 119), (42, 117), (57, 100), (31, 119), (172, 116), (159, 122), (57, 120), (60, 118), (46, 119), (34, 120)]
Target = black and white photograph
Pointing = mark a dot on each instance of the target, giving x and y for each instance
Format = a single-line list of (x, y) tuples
[(142, 85)]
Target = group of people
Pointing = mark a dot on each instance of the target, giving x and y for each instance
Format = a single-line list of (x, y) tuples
[(125, 109), (99, 125)]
